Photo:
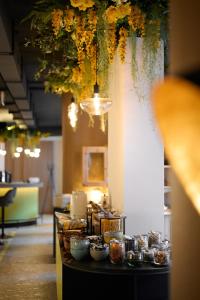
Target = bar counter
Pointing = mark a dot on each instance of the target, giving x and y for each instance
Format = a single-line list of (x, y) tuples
[(25, 206), (103, 280)]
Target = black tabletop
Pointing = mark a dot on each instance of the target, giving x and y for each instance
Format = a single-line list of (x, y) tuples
[(106, 267)]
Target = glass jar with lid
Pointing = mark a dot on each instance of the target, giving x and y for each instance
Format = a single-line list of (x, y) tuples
[(116, 251), (134, 258), (154, 238), (141, 242)]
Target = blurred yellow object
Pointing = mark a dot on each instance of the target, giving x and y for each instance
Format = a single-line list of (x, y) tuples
[(176, 105)]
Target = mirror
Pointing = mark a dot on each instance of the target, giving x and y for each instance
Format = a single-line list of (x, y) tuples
[(94, 166)]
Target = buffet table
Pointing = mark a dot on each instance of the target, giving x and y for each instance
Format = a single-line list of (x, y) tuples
[(103, 280), (25, 206)]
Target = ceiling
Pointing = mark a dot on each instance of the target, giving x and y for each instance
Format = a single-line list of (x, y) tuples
[(24, 96)]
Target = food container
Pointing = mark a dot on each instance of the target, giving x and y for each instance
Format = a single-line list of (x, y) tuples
[(79, 247), (148, 255), (154, 238), (116, 251), (141, 242), (113, 224), (129, 243), (134, 258), (110, 235), (161, 258), (66, 238), (99, 252), (96, 239)]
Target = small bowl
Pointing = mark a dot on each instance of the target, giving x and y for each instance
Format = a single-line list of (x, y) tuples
[(99, 252), (79, 247)]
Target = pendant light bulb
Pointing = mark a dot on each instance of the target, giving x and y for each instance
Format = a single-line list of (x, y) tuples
[(73, 113)]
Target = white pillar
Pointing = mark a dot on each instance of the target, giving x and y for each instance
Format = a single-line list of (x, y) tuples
[(135, 153)]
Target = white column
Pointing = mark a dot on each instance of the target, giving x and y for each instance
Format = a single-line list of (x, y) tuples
[(2, 158), (135, 153)]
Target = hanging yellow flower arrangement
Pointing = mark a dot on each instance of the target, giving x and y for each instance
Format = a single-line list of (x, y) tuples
[(82, 4), (79, 38)]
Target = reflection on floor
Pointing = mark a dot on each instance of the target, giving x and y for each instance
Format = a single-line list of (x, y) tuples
[(27, 269)]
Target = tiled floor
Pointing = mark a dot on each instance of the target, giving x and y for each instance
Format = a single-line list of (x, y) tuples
[(27, 269)]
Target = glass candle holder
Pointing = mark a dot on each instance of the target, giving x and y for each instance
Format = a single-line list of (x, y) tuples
[(116, 251), (134, 258)]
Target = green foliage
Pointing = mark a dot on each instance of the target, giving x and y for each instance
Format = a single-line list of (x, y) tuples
[(59, 53)]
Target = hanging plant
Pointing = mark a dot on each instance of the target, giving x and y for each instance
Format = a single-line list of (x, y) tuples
[(67, 32)]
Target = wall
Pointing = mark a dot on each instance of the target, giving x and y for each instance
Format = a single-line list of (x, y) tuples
[(136, 171), (73, 143), (2, 158)]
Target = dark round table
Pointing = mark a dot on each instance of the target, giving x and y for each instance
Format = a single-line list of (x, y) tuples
[(103, 280)]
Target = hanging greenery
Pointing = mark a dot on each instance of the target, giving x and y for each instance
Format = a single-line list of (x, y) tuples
[(72, 34), (22, 137)]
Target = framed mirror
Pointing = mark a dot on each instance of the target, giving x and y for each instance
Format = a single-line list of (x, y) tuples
[(94, 160)]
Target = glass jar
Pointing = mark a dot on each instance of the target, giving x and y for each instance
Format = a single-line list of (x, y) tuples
[(154, 238), (148, 255), (113, 224), (110, 235), (116, 251), (141, 242), (79, 247), (134, 258), (129, 243), (161, 257)]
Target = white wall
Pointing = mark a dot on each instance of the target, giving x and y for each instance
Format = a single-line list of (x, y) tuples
[(2, 158), (2, 163), (135, 168)]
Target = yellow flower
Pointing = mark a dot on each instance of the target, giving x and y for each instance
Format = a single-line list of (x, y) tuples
[(69, 19), (122, 43), (111, 43), (124, 10), (111, 14), (82, 4), (76, 75), (136, 20), (57, 20)]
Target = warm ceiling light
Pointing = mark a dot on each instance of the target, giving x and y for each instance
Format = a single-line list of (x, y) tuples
[(37, 150), (27, 151), (5, 116), (177, 110), (32, 154), (2, 97), (19, 149), (73, 113), (17, 154), (96, 105)]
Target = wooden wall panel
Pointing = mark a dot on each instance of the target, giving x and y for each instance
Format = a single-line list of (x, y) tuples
[(73, 143)]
